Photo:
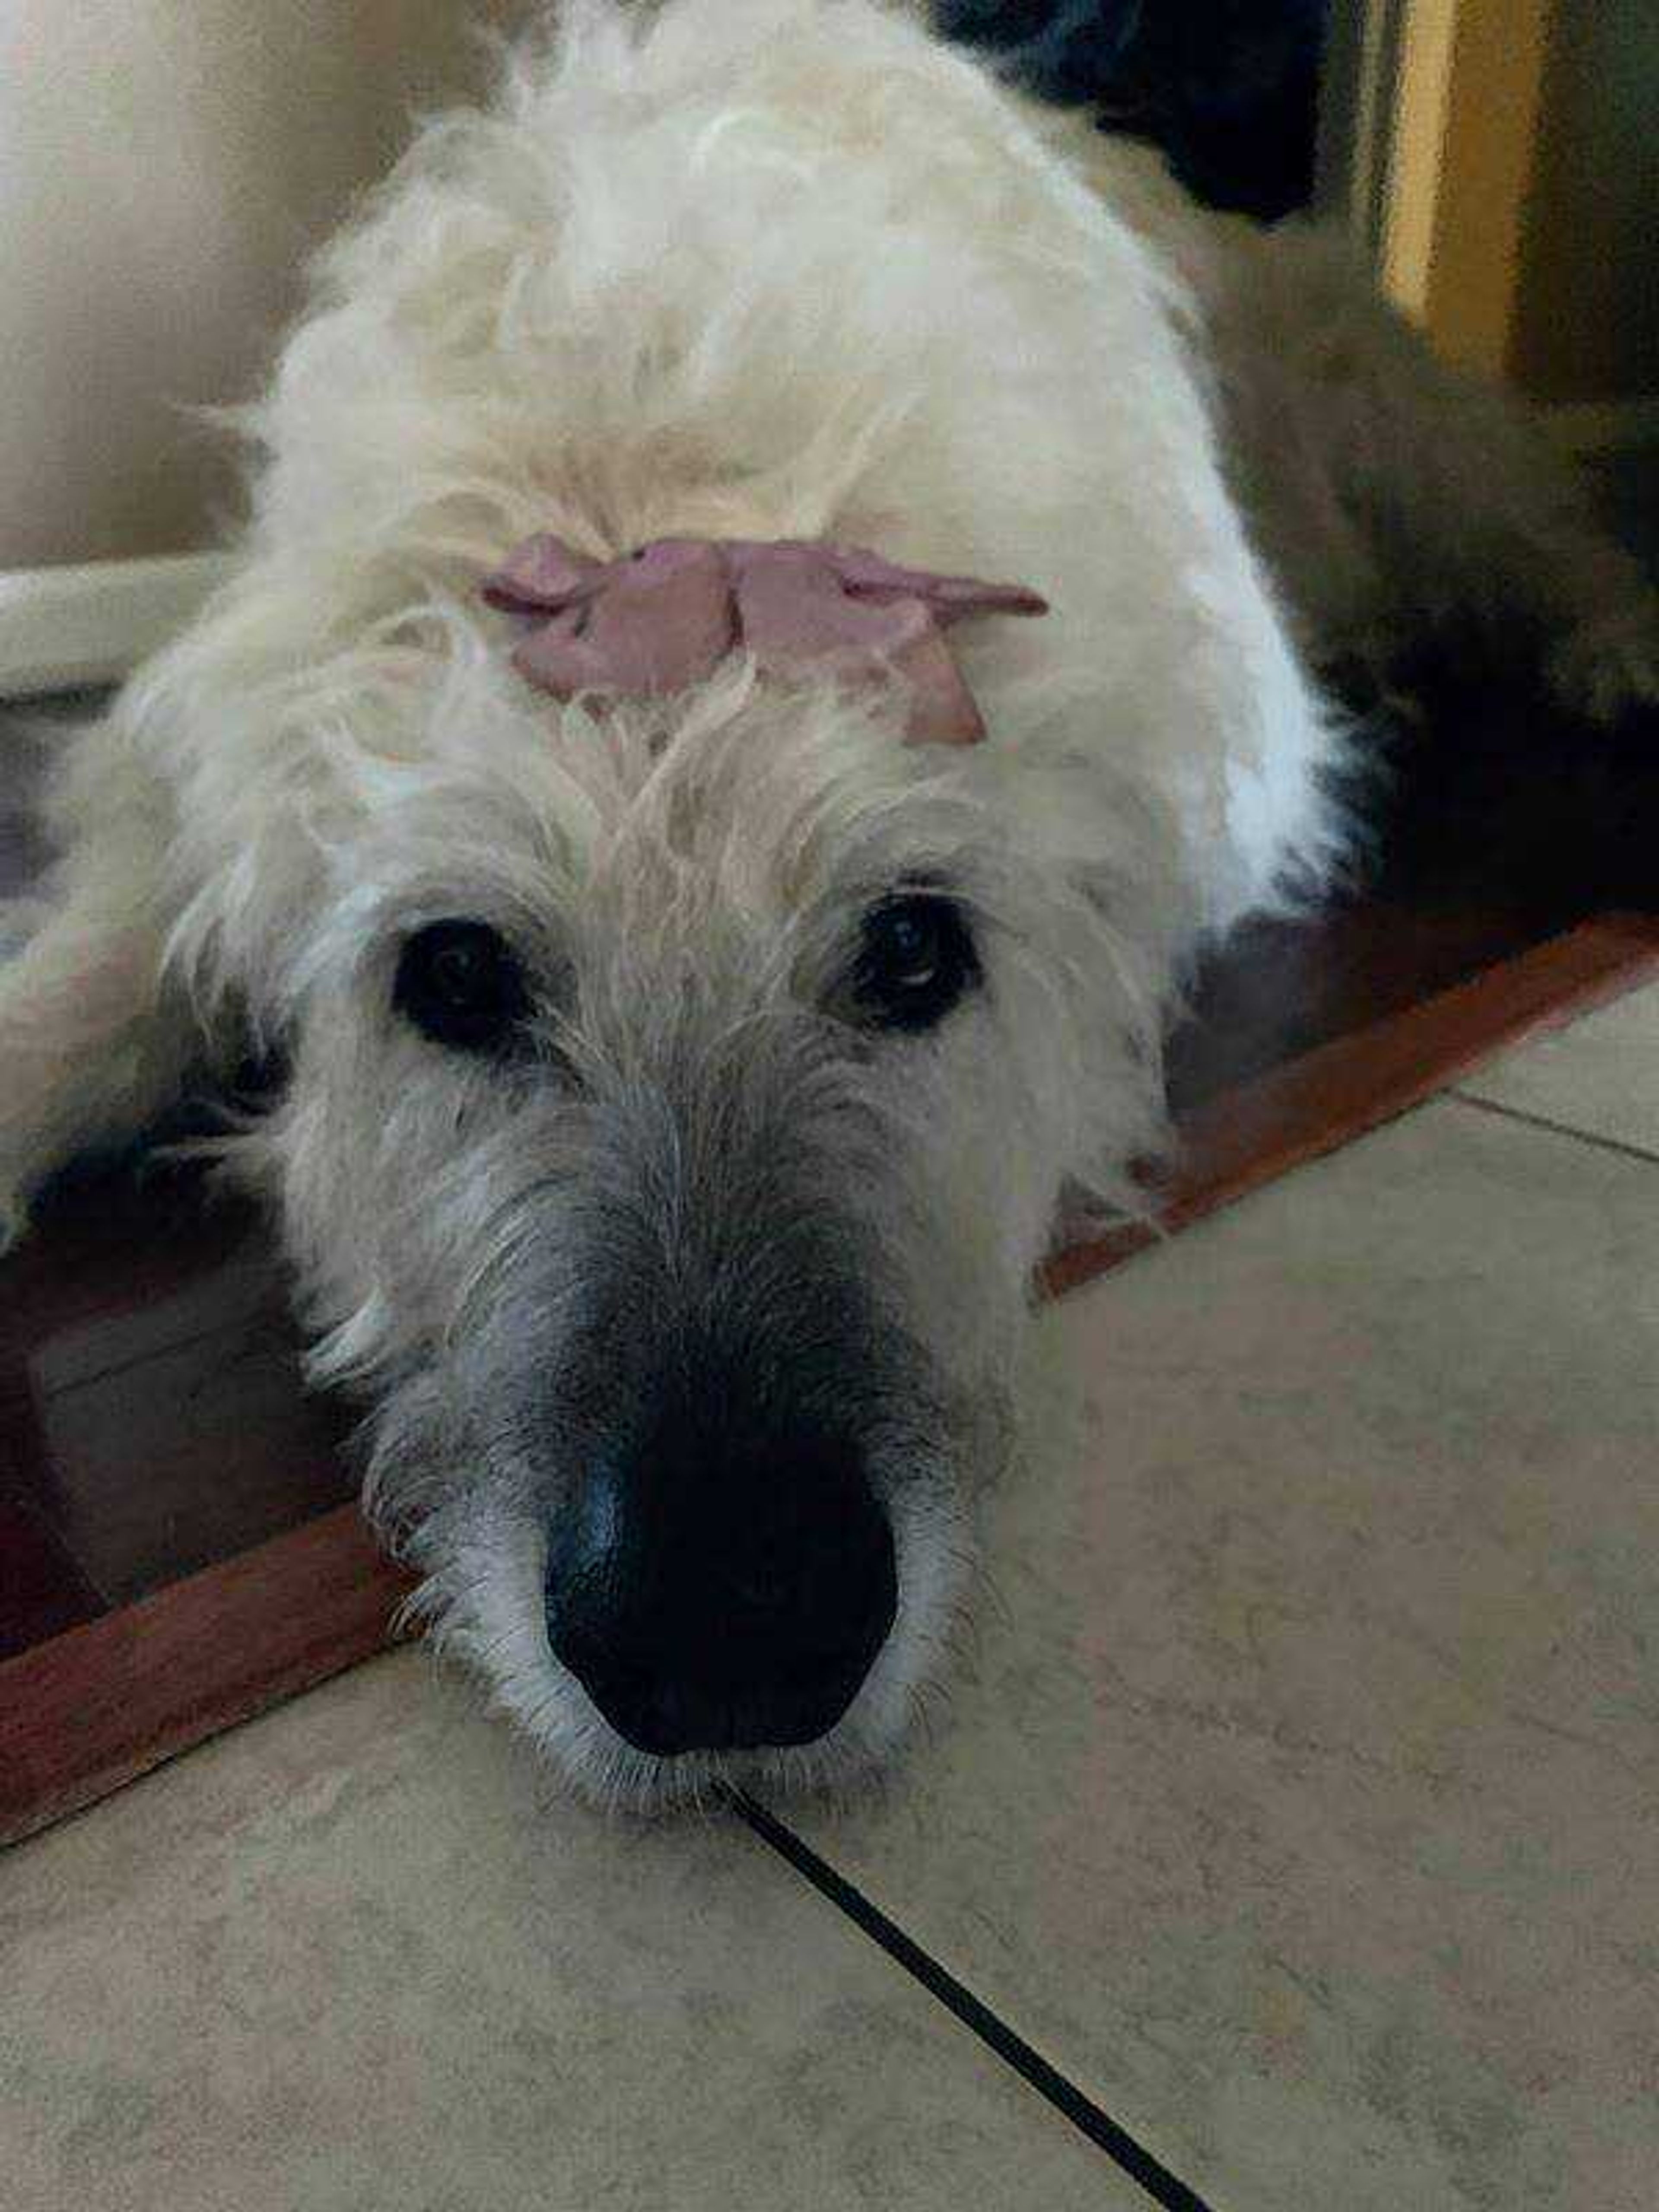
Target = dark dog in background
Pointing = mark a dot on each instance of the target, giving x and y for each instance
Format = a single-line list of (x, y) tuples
[(1228, 89)]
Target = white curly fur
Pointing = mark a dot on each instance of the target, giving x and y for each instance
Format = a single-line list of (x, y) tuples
[(768, 268)]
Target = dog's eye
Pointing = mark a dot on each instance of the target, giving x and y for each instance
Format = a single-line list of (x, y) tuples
[(459, 984), (915, 959)]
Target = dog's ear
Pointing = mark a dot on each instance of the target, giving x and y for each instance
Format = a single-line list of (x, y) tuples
[(94, 1039)]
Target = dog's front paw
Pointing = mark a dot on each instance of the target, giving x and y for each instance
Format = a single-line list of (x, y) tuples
[(19, 919), (1606, 670), (14, 1212)]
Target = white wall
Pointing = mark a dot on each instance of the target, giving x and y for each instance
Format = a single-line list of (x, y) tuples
[(164, 166)]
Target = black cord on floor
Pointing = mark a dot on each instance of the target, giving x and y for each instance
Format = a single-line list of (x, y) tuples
[(1164, 2187)]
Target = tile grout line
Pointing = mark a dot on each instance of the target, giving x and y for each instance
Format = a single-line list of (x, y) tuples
[(1165, 2188), (1554, 1128)]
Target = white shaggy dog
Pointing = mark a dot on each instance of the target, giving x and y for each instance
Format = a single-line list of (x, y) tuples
[(680, 1086)]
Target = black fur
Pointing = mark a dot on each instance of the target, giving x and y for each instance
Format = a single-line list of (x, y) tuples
[(1228, 88)]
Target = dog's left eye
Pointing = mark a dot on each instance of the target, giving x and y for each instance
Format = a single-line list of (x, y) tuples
[(915, 959), (459, 984)]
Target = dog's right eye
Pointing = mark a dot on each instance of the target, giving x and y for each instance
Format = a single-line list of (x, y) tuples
[(915, 959), (459, 984)]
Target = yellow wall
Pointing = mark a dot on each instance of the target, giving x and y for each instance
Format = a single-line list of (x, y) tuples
[(1523, 223)]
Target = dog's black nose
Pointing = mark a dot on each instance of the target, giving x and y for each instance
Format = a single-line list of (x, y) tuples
[(710, 1598)]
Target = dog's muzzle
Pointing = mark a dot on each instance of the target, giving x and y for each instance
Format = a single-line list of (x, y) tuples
[(718, 1594)]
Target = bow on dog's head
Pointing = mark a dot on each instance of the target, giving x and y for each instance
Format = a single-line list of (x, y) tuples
[(664, 617)]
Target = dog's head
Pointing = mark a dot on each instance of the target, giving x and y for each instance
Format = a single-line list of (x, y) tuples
[(679, 1100)]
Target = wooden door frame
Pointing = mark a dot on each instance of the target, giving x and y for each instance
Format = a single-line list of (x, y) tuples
[(1463, 145), (1358, 76)]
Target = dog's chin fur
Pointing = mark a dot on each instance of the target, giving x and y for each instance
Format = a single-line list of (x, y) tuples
[(770, 269), (482, 1604)]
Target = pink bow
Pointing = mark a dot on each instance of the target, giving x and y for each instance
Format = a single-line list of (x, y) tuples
[(664, 617)]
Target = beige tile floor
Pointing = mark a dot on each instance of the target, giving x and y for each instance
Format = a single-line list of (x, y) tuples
[(351, 1958), (1302, 1807), (1306, 1812), (1600, 1075)]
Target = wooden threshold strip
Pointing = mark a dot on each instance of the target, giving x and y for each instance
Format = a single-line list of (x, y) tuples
[(1326, 1099), (103, 1703), (106, 1702)]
